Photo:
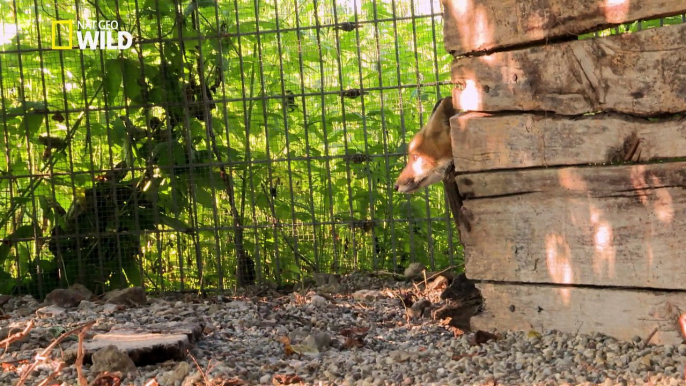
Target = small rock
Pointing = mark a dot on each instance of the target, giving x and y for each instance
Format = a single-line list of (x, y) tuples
[(400, 356), (320, 340), (325, 279), (111, 308), (129, 296), (111, 359), (88, 306), (418, 309), (589, 354), (366, 295), (319, 301), (414, 271), (179, 373), (64, 298), (213, 309), (49, 312), (81, 290), (192, 380), (237, 305), (4, 299)]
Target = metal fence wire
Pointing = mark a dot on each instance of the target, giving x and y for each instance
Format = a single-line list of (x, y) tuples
[(234, 142)]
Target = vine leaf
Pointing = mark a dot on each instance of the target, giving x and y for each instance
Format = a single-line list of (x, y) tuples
[(174, 223), (113, 78)]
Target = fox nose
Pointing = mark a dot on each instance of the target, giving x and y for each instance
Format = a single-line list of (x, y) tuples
[(396, 187)]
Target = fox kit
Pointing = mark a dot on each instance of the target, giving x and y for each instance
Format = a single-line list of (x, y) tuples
[(429, 152)]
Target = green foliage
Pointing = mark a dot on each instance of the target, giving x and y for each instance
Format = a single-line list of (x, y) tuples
[(306, 174)]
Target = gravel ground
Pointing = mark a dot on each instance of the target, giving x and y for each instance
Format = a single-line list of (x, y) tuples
[(343, 340)]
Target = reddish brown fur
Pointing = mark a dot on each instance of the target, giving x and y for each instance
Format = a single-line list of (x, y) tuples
[(429, 152)]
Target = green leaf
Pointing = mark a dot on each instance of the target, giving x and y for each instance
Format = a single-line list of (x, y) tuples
[(4, 252), (170, 155), (23, 232), (112, 80), (303, 216), (196, 4), (283, 210), (33, 122), (204, 197), (20, 200), (173, 223), (132, 72), (118, 131), (7, 283), (133, 273)]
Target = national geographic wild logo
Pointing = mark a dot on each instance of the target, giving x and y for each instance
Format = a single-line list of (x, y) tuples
[(90, 35)]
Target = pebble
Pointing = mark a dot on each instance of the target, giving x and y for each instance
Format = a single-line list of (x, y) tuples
[(245, 341)]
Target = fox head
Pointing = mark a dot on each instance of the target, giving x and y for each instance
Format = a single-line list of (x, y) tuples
[(429, 152)]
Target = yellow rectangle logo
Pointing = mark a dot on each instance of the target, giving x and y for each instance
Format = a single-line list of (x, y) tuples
[(69, 24)]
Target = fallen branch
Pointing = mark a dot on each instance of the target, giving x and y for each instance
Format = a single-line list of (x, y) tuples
[(387, 273), (16, 336), (79, 359), (652, 334), (52, 375), (42, 356), (437, 274)]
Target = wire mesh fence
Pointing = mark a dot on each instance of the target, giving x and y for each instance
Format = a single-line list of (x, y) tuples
[(226, 143), (207, 144)]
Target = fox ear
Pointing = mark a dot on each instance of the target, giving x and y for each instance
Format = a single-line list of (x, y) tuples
[(448, 110), (441, 114)]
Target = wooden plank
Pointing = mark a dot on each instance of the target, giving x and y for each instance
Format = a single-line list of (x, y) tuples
[(573, 180), (642, 74), (624, 237), (486, 25), (621, 314), (508, 141)]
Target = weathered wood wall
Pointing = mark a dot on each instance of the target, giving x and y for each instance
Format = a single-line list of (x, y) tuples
[(571, 162), (487, 25)]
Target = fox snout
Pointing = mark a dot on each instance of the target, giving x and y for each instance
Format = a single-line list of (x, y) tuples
[(421, 171), (406, 181), (429, 152)]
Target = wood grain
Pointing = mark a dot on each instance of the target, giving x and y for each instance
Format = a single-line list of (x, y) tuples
[(509, 141), (642, 74), (484, 25), (569, 181), (629, 236), (621, 314)]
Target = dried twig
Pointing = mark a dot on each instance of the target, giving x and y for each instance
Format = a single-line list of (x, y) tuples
[(652, 334), (387, 273), (79, 359), (52, 375), (439, 273), (204, 376), (16, 336), (42, 356), (402, 301)]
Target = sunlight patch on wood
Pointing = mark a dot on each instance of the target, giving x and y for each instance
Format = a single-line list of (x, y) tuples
[(663, 202), (558, 256), (603, 241), (571, 180), (473, 26), (470, 97), (616, 11)]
